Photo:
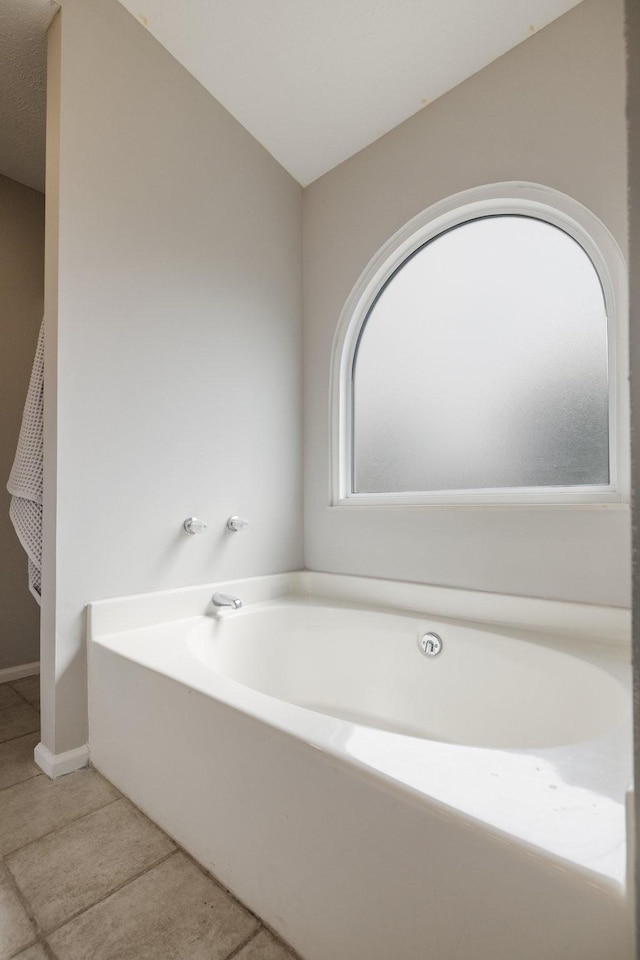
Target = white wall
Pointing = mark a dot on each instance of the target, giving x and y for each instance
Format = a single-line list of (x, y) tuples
[(177, 320), (551, 111), (21, 304)]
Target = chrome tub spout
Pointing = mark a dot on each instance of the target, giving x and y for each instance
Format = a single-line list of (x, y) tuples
[(226, 600)]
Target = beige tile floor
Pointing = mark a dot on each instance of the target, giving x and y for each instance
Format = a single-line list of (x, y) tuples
[(84, 875)]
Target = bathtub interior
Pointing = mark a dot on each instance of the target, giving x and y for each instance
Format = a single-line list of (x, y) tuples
[(489, 687)]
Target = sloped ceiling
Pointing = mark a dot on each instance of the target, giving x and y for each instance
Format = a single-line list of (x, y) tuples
[(317, 80), (313, 80), (23, 58)]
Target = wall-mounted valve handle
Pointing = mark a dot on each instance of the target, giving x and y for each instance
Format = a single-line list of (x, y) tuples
[(193, 526), (236, 524)]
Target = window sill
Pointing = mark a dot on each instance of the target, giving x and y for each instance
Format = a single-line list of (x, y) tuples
[(373, 503)]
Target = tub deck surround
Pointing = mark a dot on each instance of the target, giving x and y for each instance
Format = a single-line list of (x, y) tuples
[(580, 620), (290, 739)]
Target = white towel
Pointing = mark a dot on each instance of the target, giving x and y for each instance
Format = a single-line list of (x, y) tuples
[(25, 480)]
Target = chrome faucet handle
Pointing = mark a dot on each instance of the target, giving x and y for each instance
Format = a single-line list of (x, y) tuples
[(236, 524), (193, 526)]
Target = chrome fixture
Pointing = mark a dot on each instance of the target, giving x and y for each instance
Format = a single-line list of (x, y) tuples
[(430, 644), (236, 524), (226, 600), (193, 526)]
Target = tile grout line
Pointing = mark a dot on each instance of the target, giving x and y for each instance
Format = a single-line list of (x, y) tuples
[(27, 734), (243, 943), (18, 782), (10, 683), (147, 817), (90, 906), (49, 951), (67, 823), (29, 946), (23, 702), (36, 771), (25, 906)]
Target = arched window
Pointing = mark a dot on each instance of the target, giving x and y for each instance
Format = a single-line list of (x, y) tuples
[(479, 360)]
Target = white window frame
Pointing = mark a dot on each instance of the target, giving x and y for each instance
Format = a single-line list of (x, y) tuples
[(515, 198)]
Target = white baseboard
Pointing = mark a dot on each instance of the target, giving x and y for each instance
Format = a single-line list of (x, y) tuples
[(57, 764), (17, 673)]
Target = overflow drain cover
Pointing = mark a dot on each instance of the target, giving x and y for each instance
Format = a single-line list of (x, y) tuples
[(430, 644)]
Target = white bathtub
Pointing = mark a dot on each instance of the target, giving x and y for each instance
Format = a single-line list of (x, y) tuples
[(368, 801)]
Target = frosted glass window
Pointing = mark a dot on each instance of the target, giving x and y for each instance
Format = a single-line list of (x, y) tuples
[(483, 364)]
